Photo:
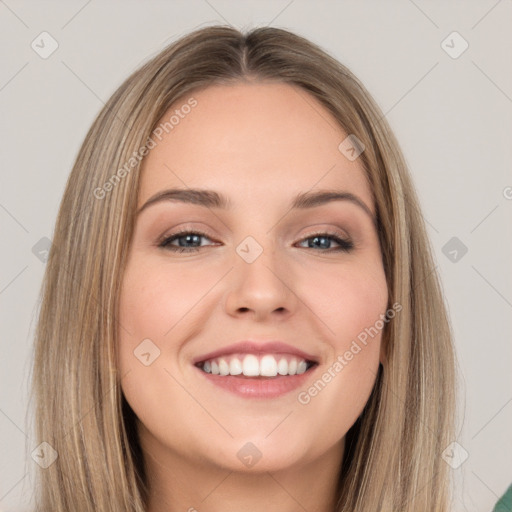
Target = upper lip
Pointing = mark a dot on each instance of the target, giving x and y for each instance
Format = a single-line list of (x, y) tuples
[(256, 348)]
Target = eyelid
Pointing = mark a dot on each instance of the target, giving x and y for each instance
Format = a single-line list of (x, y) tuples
[(187, 229), (333, 231)]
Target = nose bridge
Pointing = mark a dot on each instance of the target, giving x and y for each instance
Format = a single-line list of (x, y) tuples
[(260, 279)]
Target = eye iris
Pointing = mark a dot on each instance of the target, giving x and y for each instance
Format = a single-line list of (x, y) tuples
[(325, 244), (191, 238)]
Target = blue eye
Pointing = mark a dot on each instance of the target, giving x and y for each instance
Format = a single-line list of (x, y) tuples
[(184, 238), (190, 241), (322, 240)]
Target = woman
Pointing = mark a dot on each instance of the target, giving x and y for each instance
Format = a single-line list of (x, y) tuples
[(240, 309)]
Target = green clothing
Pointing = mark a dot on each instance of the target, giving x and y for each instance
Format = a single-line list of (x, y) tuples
[(505, 502)]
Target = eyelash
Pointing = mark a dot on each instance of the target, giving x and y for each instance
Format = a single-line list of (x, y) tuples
[(344, 245)]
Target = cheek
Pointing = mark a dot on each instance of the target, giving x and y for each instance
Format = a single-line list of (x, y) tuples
[(351, 304), (154, 303), (154, 299), (349, 300), (155, 308)]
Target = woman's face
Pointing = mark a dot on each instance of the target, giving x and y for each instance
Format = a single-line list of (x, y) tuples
[(261, 286)]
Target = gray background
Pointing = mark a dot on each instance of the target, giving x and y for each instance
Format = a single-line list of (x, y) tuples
[(452, 116)]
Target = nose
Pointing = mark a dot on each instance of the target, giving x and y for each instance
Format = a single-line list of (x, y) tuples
[(262, 289)]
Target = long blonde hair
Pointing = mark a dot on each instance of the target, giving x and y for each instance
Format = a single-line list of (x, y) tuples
[(393, 452)]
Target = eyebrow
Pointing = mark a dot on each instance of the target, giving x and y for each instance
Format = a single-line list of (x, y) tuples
[(213, 199)]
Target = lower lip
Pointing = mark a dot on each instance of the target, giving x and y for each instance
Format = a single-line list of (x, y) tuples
[(254, 387)]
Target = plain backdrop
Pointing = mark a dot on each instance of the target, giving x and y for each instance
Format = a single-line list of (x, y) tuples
[(450, 107)]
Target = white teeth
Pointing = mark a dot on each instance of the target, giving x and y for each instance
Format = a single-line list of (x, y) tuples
[(235, 366), (268, 366), (301, 367), (282, 366), (251, 365), (223, 367)]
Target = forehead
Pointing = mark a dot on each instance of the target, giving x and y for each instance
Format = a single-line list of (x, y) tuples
[(267, 140)]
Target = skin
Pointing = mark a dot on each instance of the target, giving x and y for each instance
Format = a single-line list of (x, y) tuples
[(260, 144)]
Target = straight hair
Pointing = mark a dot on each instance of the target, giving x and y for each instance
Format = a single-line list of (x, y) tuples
[(392, 459)]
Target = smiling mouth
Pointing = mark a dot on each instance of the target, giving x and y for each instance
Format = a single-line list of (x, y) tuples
[(256, 366)]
